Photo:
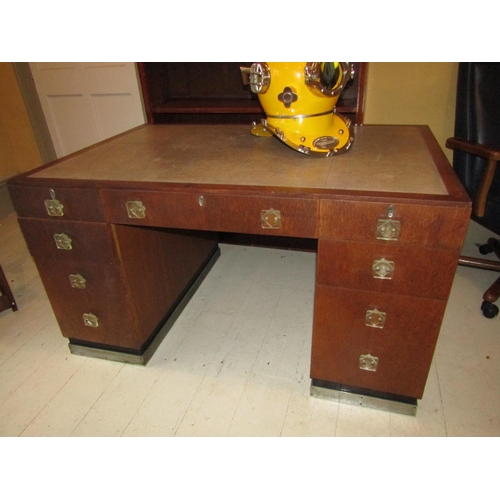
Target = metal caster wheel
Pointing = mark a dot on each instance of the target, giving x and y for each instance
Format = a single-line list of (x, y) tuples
[(489, 310)]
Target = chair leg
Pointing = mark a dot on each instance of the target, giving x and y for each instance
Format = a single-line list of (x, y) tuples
[(6, 296), (491, 295), (493, 292)]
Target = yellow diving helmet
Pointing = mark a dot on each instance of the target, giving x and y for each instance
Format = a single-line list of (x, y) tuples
[(299, 101)]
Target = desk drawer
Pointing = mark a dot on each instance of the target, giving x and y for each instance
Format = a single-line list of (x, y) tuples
[(420, 225), (57, 203), (212, 212), (70, 241), (399, 269), (392, 356), (95, 310)]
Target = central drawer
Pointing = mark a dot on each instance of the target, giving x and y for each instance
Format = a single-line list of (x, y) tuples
[(275, 215)]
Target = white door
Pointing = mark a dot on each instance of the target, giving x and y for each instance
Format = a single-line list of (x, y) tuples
[(85, 103)]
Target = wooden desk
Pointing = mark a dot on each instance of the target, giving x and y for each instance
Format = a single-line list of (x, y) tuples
[(121, 232)]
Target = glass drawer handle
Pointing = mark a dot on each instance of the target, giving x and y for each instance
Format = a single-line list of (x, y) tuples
[(63, 241)]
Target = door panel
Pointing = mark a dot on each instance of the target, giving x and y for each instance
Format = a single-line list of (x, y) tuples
[(85, 103), (70, 123)]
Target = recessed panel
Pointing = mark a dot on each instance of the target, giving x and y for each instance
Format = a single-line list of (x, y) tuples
[(108, 106), (72, 134)]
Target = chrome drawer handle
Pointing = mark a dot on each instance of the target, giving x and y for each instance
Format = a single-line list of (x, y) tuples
[(63, 241), (54, 207), (375, 318), (136, 209), (91, 320), (368, 362), (77, 281), (270, 219), (383, 269)]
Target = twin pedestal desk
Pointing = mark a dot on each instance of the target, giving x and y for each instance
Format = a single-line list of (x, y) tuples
[(122, 233)]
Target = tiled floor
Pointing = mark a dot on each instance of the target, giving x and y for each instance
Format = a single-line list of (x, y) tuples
[(236, 363)]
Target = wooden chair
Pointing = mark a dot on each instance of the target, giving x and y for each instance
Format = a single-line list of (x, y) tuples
[(476, 147), (7, 300)]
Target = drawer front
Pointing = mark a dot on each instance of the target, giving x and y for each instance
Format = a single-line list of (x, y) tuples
[(375, 341), (70, 241), (211, 212), (57, 203), (391, 223), (398, 269), (90, 303)]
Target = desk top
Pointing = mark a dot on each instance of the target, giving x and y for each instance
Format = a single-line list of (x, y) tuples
[(383, 158)]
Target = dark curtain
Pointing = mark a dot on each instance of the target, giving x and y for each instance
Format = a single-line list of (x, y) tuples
[(478, 119)]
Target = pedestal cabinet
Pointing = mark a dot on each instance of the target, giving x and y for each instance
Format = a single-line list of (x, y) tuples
[(111, 286), (384, 274)]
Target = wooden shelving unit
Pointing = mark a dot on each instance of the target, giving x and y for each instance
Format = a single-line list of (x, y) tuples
[(214, 93)]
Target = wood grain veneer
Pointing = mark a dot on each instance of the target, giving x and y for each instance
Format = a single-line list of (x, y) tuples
[(420, 272), (404, 346), (214, 212), (144, 266)]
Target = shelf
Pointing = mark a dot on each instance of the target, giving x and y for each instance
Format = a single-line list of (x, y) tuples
[(212, 92), (207, 106), (196, 106)]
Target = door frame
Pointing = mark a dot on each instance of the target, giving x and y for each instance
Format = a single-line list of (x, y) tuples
[(35, 111)]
